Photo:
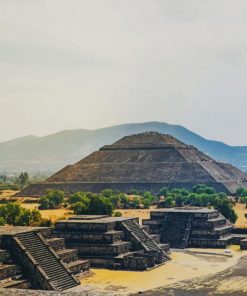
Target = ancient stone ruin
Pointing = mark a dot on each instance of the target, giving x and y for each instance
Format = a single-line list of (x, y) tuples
[(115, 243), (146, 161), (193, 227), (31, 258)]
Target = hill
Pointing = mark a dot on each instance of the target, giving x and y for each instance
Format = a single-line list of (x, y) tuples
[(147, 162), (52, 152)]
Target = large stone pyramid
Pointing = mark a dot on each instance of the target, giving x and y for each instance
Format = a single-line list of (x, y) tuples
[(146, 161)]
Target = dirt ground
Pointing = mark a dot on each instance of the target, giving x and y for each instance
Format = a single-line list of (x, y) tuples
[(187, 270), (54, 215), (229, 282), (241, 210)]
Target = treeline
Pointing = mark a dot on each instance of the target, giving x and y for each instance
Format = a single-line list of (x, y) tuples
[(13, 214), (200, 196), (19, 182), (103, 203)]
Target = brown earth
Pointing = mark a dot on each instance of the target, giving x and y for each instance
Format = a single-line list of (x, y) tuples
[(188, 270)]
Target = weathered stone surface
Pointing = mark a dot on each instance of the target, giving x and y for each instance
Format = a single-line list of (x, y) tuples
[(147, 161), (111, 242), (24, 249), (243, 244), (190, 227)]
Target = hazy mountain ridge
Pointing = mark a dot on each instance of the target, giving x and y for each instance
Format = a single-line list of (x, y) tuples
[(52, 152)]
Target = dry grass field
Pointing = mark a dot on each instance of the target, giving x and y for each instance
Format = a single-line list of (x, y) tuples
[(53, 215), (57, 214), (241, 210)]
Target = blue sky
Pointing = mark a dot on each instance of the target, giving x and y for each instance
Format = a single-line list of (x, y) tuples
[(89, 64)]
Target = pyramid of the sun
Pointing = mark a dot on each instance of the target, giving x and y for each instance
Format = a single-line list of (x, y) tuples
[(146, 161)]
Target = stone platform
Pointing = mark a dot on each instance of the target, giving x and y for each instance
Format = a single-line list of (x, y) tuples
[(190, 227), (31, 258), (111, 242)]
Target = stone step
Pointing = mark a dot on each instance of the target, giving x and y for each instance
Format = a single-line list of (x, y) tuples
[(94, 237), (102, 249), (78, 266), (16, 284), (237, 238), (210, 243), (155, 237), (68, 255), (4, 256), (84, 226), (9, 271), (58, 274), (243, 244), (56, 243)]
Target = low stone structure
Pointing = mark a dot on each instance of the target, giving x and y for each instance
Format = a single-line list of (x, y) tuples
[(109, 242), (243, 244), (191, 227), (31, 258)]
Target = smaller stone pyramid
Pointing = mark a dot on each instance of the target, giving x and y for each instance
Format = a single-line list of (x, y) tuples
[(146, 161)]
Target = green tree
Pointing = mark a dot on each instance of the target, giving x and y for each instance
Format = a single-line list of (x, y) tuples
[(136, 202), (2, 221), (133, 192), (148, 195), (44, 203), (168, 202), (163, 191), (52, 199), (100, 205), (117, 214), (80, 208), (241, 192), (97, 205), (78, 197), (23, 180), (107, 193), (14, 214), (146, 203), (124, 201)]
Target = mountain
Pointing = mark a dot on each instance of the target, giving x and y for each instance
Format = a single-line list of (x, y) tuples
[(51, 153), (146, 161)]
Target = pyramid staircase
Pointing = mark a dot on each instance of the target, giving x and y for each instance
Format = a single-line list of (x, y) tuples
[(143, 238), (10, 273), (111, 242), (48, 269), (185, 241), (190, 227)]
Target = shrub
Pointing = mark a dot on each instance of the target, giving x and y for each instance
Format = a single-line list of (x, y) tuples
[(95, 205), (2, 222), (117, 214), (52, 199), (14, 214)]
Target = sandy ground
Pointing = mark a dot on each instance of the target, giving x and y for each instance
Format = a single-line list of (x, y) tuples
[(230, 282), (142, 214), (184, 266), (241, 210), (7, 193)]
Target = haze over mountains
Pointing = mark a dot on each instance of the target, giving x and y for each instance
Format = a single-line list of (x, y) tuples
[(50, 153)]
